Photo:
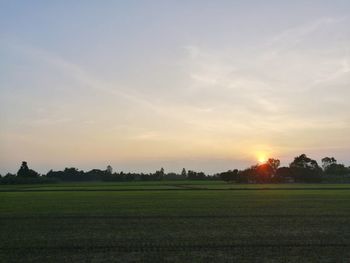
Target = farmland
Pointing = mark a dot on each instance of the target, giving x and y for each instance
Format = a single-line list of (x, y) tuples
[(174, 221)]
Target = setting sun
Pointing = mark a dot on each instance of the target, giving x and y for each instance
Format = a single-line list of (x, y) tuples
[(262, 159)]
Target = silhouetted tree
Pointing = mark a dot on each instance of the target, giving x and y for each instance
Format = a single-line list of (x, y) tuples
[(327, 162), (246, 175), (274, 164), (183, 172), (263, 173), (330, 166), (284, 174), (109, 169), (9, 179), (25, 172), (305, 169), (192, 175), (303, 161), (229, 176), (174, 176), (69, 174), (93, 175), (158, 175), (10, 175)]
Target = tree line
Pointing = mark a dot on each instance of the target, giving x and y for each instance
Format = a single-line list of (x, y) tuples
[(27, 175), (302, 170)]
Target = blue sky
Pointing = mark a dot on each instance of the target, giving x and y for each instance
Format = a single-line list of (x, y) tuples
[(208, 85)]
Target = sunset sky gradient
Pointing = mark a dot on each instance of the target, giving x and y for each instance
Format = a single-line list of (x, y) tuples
[(139, 85)]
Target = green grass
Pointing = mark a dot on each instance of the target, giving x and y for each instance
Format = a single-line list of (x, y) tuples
[(162, 185), (174, 221)]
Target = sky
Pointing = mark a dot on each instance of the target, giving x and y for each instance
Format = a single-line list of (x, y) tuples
[(205, 85)]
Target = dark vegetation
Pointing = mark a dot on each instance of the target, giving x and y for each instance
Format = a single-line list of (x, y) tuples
[(302, 170)]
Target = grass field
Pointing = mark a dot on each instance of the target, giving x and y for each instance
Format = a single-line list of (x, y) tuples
[(174, 221)]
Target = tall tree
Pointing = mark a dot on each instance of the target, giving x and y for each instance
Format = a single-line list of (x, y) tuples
[(302, 161), (330, 166), (274, 164), (305, 169), (327, 162), (24, 171), (109, 169)]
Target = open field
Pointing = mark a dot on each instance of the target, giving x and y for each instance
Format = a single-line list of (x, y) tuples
[(174, 221)]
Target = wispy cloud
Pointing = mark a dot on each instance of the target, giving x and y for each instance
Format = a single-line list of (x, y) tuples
[(293, 36), (277, 81), (81, 75)]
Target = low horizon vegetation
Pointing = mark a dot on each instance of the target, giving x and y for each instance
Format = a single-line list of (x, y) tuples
[(302, 170)]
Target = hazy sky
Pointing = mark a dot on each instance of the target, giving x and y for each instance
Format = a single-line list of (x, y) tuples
[(208, 85)]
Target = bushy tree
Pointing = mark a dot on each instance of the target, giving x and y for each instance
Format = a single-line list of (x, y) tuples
[(25, 172), (260, 173), (328, 162), (263, 173), (330, 166), (192, 175), (229, 176), (69, 174), (305, 169), (302, 161), (274, 164), (246, 175), (284, 174), (159, 175)]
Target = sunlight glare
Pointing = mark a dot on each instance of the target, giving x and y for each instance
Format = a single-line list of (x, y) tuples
[(262, 158)]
